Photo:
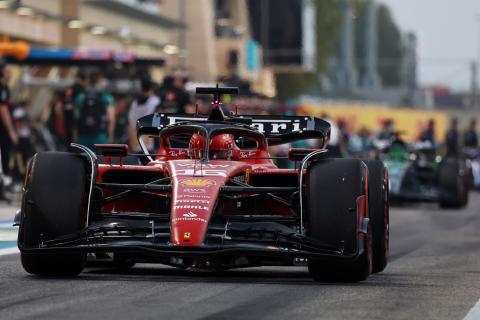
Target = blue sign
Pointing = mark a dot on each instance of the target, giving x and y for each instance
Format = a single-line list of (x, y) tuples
[(252, 55)]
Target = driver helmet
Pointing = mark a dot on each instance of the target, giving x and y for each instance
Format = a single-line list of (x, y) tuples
[(221, 146)]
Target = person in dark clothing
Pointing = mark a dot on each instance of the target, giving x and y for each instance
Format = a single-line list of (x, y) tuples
[(387, 131), (173, 95), (397, 141), (452, 138), (429, 133), (95, 114), (56, 122), (71, 94), (25, 149), (470, 137), (8, 135)]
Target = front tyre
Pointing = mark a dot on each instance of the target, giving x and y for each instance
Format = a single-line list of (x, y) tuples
[(337, 202), (53, 205), (378, 211), (452, 183)]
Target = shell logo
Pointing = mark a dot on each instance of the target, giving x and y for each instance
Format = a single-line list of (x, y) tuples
[(197, 182)]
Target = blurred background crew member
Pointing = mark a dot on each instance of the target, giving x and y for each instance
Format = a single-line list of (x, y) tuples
[(387, 131), (96, 114), (397, 140), (147, 103), (470, 137), (71, 94), (8, 135), (24, 150), (428, 135), (56, 122), (452, 138), (173, 94)]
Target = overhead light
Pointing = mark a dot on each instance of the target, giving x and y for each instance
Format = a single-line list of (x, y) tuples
[(98, 30), (24, 11), (170, 49), (76, 24), (4, 4)]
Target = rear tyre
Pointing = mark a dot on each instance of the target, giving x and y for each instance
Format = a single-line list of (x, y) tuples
[(378, 211), (334, 187), (53, 205), (452, 183)]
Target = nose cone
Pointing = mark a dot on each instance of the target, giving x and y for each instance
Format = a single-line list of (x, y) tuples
[(193, 203), (195, 192)]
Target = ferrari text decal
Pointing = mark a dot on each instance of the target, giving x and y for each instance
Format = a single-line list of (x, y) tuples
[(276, 126)]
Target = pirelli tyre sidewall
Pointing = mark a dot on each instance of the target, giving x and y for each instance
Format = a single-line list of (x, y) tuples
[(378, 211), (53, 205), (453, 183), (333, 187)]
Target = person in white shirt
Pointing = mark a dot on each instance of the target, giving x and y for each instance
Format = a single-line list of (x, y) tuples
[(147, 103)]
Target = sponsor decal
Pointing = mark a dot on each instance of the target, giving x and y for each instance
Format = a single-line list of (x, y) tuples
[(193, 196), (189, 214), (247, 176), (196, 182), (177, 153), (274, 125), (192, 201), (202, 172), (247, 154), (190, 207), (193, 219), (239, 178), (194, 190), (193, 165)]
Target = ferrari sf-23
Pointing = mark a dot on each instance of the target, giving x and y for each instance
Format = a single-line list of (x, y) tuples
[(207, 195)]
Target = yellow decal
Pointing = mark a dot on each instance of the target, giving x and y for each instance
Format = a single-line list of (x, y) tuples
[(186, 235), (195, 182)]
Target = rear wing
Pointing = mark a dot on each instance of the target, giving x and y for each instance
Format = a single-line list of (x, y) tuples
[(277, 129)]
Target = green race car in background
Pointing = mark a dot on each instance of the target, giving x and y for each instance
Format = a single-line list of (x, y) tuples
[(418, 173)]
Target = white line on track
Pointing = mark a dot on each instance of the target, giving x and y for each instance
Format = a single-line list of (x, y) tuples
[(474, 313), (8, 251)]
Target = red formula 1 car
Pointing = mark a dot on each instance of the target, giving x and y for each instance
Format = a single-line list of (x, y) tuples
[(208, 196)]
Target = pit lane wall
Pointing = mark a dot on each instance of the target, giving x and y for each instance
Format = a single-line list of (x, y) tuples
[(409, 121)]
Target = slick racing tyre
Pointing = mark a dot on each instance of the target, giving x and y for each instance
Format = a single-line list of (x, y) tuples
[(53, 205), (378, 211), (452, 183), (334, 187)]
